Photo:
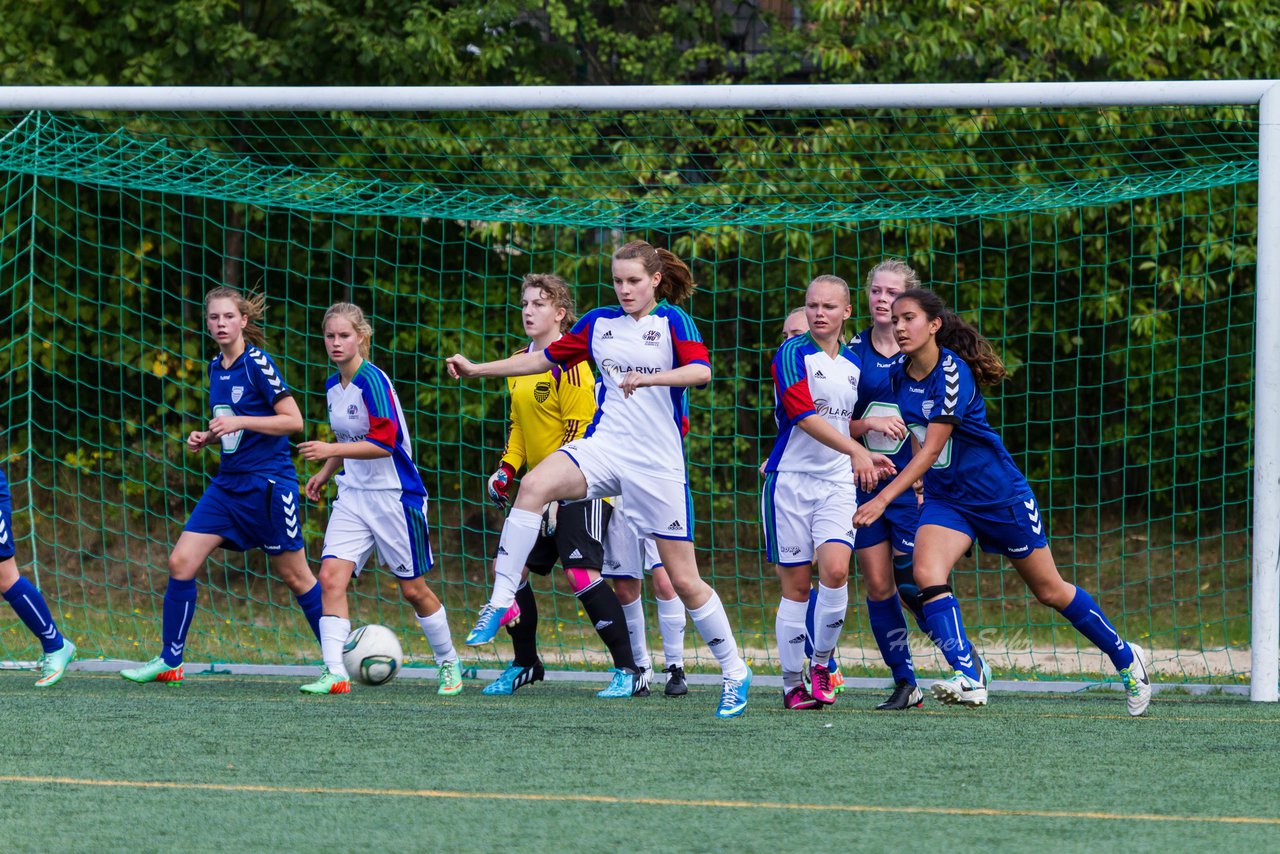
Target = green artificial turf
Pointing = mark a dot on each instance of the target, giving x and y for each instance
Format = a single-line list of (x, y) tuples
[(555, 769)]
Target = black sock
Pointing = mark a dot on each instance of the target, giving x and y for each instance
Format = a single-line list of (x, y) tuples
[(605, 613), (524, 634)]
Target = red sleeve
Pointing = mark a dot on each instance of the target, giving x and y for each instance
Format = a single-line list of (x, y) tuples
[(691, 353), (791, 383), (573, 347)]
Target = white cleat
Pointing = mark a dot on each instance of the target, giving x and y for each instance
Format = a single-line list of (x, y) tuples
[(1137, 682), (960, 690)]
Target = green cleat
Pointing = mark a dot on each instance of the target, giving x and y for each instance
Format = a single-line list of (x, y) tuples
[(450, 678), (328, 683), (54, 664), (155, 670)]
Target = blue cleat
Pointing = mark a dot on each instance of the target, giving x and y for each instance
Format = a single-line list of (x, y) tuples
[(627, 684), (733, 699), (490, 620), (513, 678)]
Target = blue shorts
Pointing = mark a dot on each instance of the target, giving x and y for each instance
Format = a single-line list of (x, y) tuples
[(250, 512), (897, 525), (1014, 530), (7, 537)]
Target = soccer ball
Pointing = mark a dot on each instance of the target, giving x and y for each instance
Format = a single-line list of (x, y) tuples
[(372, 655)]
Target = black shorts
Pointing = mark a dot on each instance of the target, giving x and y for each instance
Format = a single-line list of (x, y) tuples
[(579, 539)]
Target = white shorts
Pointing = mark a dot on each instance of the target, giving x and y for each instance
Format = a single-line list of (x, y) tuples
[(394, 523), (801, 512), (655, 507), (627, 552)]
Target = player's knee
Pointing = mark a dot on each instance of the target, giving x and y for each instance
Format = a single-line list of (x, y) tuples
[(580, 579), (904, 578), (626, 589), (333, 576), (182, 567)]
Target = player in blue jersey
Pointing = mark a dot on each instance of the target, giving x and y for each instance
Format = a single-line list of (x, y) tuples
[(27, 602), (382, 501), (973, 492), (883, 550), (809, 495), (252, 503), (648, 353)]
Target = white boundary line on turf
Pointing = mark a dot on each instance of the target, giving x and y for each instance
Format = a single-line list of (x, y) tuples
[(1012, 686)]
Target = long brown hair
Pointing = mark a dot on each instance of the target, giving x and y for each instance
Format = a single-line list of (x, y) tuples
[(355, 316), (555, 289), (253, 306), (958, 336), (676, 283)]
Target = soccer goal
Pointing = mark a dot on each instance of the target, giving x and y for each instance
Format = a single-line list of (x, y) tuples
[(1117, 242)]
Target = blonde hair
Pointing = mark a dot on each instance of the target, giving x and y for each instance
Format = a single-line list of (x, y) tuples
[(676, 283), (910, 278), (555, 289), (837, 282), (253, 306), (355, 316)]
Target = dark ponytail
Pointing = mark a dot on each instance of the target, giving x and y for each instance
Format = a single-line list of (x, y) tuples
[(676, 283)]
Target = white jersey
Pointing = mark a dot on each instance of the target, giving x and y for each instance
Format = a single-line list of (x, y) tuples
[(368, 410), (646, 430), (806, 382)]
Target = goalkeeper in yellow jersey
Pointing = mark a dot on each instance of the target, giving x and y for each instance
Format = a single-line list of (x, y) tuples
[(547, 411)]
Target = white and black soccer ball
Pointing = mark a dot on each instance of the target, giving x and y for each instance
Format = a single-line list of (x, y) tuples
[(372, 655)]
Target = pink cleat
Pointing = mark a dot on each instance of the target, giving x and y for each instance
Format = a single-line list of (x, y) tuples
[(797, 699), (823, 686)]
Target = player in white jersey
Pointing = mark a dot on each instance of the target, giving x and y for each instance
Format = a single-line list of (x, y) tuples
[(381, 502), (647, 352), (809, 498)]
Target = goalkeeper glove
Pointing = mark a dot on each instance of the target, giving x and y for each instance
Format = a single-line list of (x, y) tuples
[(499, 483)]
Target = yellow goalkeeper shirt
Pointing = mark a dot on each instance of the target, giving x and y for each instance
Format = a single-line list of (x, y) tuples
[(548, 410)]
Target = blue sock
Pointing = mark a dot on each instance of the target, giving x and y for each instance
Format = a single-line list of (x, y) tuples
[(808, 622), (1086, 615), (946, 627), (31, 608), (313, 607), (890, 630), (179, 609), (808, 630)]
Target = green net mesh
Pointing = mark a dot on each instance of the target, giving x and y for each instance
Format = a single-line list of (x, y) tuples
[(1108, 253)]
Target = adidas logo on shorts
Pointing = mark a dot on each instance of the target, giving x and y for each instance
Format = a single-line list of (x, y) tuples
[(675, 526), (502, 551), (575, 555)]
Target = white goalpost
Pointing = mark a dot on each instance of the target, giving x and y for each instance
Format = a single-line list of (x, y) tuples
[(1262, 94)]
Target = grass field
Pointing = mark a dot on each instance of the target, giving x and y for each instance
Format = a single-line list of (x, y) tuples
[(249, 764)]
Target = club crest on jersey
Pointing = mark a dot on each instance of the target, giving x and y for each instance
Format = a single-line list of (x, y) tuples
[(237, 392), (926, 407), (652, 337), (351, 410), (542, 391)]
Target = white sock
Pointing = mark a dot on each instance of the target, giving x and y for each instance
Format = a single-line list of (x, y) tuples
[(791, 634), (671, 622), (828, 620), (333, 636), (713, 624), (519, 533), (635, 626), (436, 629)]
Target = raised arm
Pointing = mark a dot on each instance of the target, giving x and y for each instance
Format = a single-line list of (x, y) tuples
[(519, 365)]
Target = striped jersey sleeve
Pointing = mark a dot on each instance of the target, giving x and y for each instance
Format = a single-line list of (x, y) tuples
[(383, 418), (574, 346), (791, 381), (687, 341)]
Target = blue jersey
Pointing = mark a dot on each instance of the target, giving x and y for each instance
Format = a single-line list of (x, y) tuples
[(6, 513), (251, 386), (974, 468), (876, 398)]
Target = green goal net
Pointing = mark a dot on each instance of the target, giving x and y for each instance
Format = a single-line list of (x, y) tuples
[(1108, 253)]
